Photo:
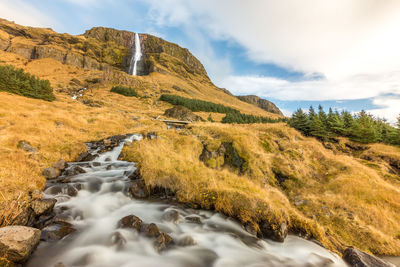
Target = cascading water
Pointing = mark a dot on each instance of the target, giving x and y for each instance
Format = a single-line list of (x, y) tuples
[(136, 55), (201, 238)]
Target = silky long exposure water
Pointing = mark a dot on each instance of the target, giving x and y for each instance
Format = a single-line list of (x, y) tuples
[(210, 240)]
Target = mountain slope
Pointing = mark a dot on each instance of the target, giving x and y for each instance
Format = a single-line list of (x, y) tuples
[(265, 175)]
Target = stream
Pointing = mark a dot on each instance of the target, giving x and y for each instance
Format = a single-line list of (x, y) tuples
[(93, 202)]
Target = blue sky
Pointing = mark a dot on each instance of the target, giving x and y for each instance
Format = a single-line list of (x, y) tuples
[(339, 53)]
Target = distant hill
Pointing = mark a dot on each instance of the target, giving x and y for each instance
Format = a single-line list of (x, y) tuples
[(261, 103)]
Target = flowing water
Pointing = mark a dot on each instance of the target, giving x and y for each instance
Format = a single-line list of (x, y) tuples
[(135, 56), (210, 240)]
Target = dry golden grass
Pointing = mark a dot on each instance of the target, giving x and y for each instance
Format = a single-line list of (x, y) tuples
[(334, 198)]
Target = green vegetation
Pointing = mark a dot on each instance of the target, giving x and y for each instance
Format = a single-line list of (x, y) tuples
[(196, 104), (244, 118), (21, 83), (361, 127), (232, 115), (126, 91)]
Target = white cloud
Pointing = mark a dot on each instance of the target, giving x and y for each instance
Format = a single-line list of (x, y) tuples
[(390, 107), (24, 13), (354, 87), (354, 44)]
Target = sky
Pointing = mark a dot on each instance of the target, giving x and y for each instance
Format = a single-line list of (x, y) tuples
[(343, 54)]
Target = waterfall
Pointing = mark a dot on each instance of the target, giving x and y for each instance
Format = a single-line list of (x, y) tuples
[(135, 56)]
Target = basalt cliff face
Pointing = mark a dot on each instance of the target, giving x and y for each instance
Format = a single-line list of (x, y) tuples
[(261, 103), (99, 49)]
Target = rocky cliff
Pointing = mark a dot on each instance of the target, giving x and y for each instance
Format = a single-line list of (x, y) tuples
[(261, 103), (98, 49)]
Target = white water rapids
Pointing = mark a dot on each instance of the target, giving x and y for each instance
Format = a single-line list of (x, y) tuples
[(102, 201), (135, 56)]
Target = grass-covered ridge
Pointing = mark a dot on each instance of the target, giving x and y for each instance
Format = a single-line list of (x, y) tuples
[(126, 91), (196, 104), (333, 198), (18, 82), (232, 115)]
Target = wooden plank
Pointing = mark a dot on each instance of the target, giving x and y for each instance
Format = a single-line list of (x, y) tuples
[(176, 122)]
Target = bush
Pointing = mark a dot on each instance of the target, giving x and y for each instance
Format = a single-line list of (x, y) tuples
[(18, 82), (244, 119), (126, 91), (196, 104)]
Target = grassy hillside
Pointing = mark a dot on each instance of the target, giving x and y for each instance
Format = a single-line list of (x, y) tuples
[(338, 193)]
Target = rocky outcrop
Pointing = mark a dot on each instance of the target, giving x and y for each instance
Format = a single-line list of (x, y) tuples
[(276, 232), (24, 145), (261, 103), (18, 242), (182, 113), (225, 155), (358, 258)]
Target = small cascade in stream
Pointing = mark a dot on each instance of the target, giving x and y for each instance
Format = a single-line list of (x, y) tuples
[(136, 55), (92, 197)]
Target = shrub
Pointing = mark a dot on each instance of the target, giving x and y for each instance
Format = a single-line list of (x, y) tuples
[(18, 82), (196, 104), (126, 91), (244, 119)]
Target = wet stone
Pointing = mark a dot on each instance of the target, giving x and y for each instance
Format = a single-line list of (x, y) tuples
[(171, 216), (163, 241), (44, 206), (56, 232), (118, 239), (51, 173), (60, 165), (274, 232), (130, 221), (358, 258), (149, 230), (74, 170), (193, 219), (186, 241), (138, 189)]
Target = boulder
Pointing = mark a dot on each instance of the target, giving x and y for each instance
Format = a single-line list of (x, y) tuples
[(193, 219), (18, 242), (274, 231), (135, 175), (74, 170), (130, 221), (118, 239), (358, 258), (138, 189), (171, 216), (186, 241), (26, 146), (85, 156), (163, 241), (43, 207), (36, 194), (182, 113), (60, 165), (149, 230), (51, 173), (56, 232)]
